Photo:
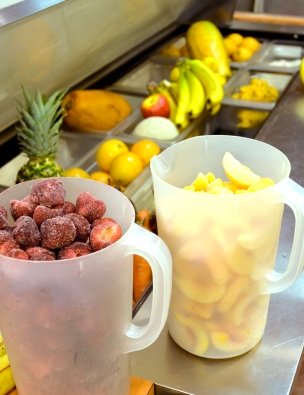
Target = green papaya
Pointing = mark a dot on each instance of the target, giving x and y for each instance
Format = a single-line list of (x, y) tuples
[(204, 40)]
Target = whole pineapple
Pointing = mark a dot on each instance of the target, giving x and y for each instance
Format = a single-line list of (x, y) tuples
[(38, 135)]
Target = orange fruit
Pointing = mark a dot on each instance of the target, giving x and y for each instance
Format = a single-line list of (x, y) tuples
[(107, 152), (230, 46), (235, 37), (76, 172), (126, 167), (251, 43), (145, 149), (101, 176), (242, 54)]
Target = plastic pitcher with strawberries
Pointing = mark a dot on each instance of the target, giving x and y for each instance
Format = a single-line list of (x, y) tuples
[(66, 301), (219, 205)]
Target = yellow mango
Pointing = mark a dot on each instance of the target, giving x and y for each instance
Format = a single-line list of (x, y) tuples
[(204, 40), (94, 110)]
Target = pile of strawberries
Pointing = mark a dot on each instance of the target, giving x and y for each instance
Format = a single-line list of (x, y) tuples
[(47, 227)]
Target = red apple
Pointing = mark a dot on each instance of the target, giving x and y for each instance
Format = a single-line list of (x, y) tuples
[(155, 105)]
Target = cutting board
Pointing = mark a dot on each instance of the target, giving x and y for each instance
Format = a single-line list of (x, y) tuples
[(138, 387)]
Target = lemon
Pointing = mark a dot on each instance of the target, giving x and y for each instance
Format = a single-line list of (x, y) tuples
[(239, 174), (107, 152), (235, 37), (101, 176), (251, 43), (241, 54), (145, 149), (230, 45), (76, 172), (126, 167)]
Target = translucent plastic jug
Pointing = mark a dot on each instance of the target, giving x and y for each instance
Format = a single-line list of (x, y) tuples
[(224, 246), (67, 324)]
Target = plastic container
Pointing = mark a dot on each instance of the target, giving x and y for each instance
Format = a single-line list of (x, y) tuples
[(224, 246), (67, 324)]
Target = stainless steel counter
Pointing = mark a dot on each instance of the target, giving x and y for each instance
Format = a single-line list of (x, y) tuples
[(270, 368)]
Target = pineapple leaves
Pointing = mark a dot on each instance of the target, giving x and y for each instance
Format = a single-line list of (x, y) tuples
[(40, 120)]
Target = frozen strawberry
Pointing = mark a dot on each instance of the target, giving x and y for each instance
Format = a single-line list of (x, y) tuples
[(74, 250), (90, 207), (6, 235), (104, 234), (3, 221), (49, 192), (42, 213), (7, 246), (57, 232), (68, 207), (26, 231), (3, 211), (25, 206), (40, 254), (82, 226), (17, 253)]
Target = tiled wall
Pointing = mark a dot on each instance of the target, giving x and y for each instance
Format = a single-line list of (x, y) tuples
[(61, 46)]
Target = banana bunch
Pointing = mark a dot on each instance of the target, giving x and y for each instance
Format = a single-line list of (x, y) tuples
[(193, 87), (7, 382), (199, 88)]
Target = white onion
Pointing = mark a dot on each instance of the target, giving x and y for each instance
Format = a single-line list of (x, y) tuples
[(156, 127)]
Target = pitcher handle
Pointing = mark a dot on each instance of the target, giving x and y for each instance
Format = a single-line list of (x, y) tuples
[(142, 242), (291, 194)]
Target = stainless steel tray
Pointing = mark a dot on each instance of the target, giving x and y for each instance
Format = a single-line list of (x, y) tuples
[(136, 81), (243, 77), (280, 58)]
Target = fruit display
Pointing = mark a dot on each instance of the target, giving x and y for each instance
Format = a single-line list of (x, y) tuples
[(217, 307), (124, 162), (47, 227), (205, 41), (7, 382), (247, 119), (240, 48), (94, 110), (193, 87), (38, 135), (257, 90)]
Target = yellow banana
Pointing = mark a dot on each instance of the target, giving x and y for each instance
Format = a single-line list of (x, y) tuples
[(197, 95), (174, 74), (164, 90), (2, 346), (7, 382), (213, 88), (183, 101), (173, 89), (4, 362), (2, 349)]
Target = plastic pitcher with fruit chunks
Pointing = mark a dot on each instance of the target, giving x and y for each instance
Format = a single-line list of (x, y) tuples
[(66, 269), (219, 204)]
